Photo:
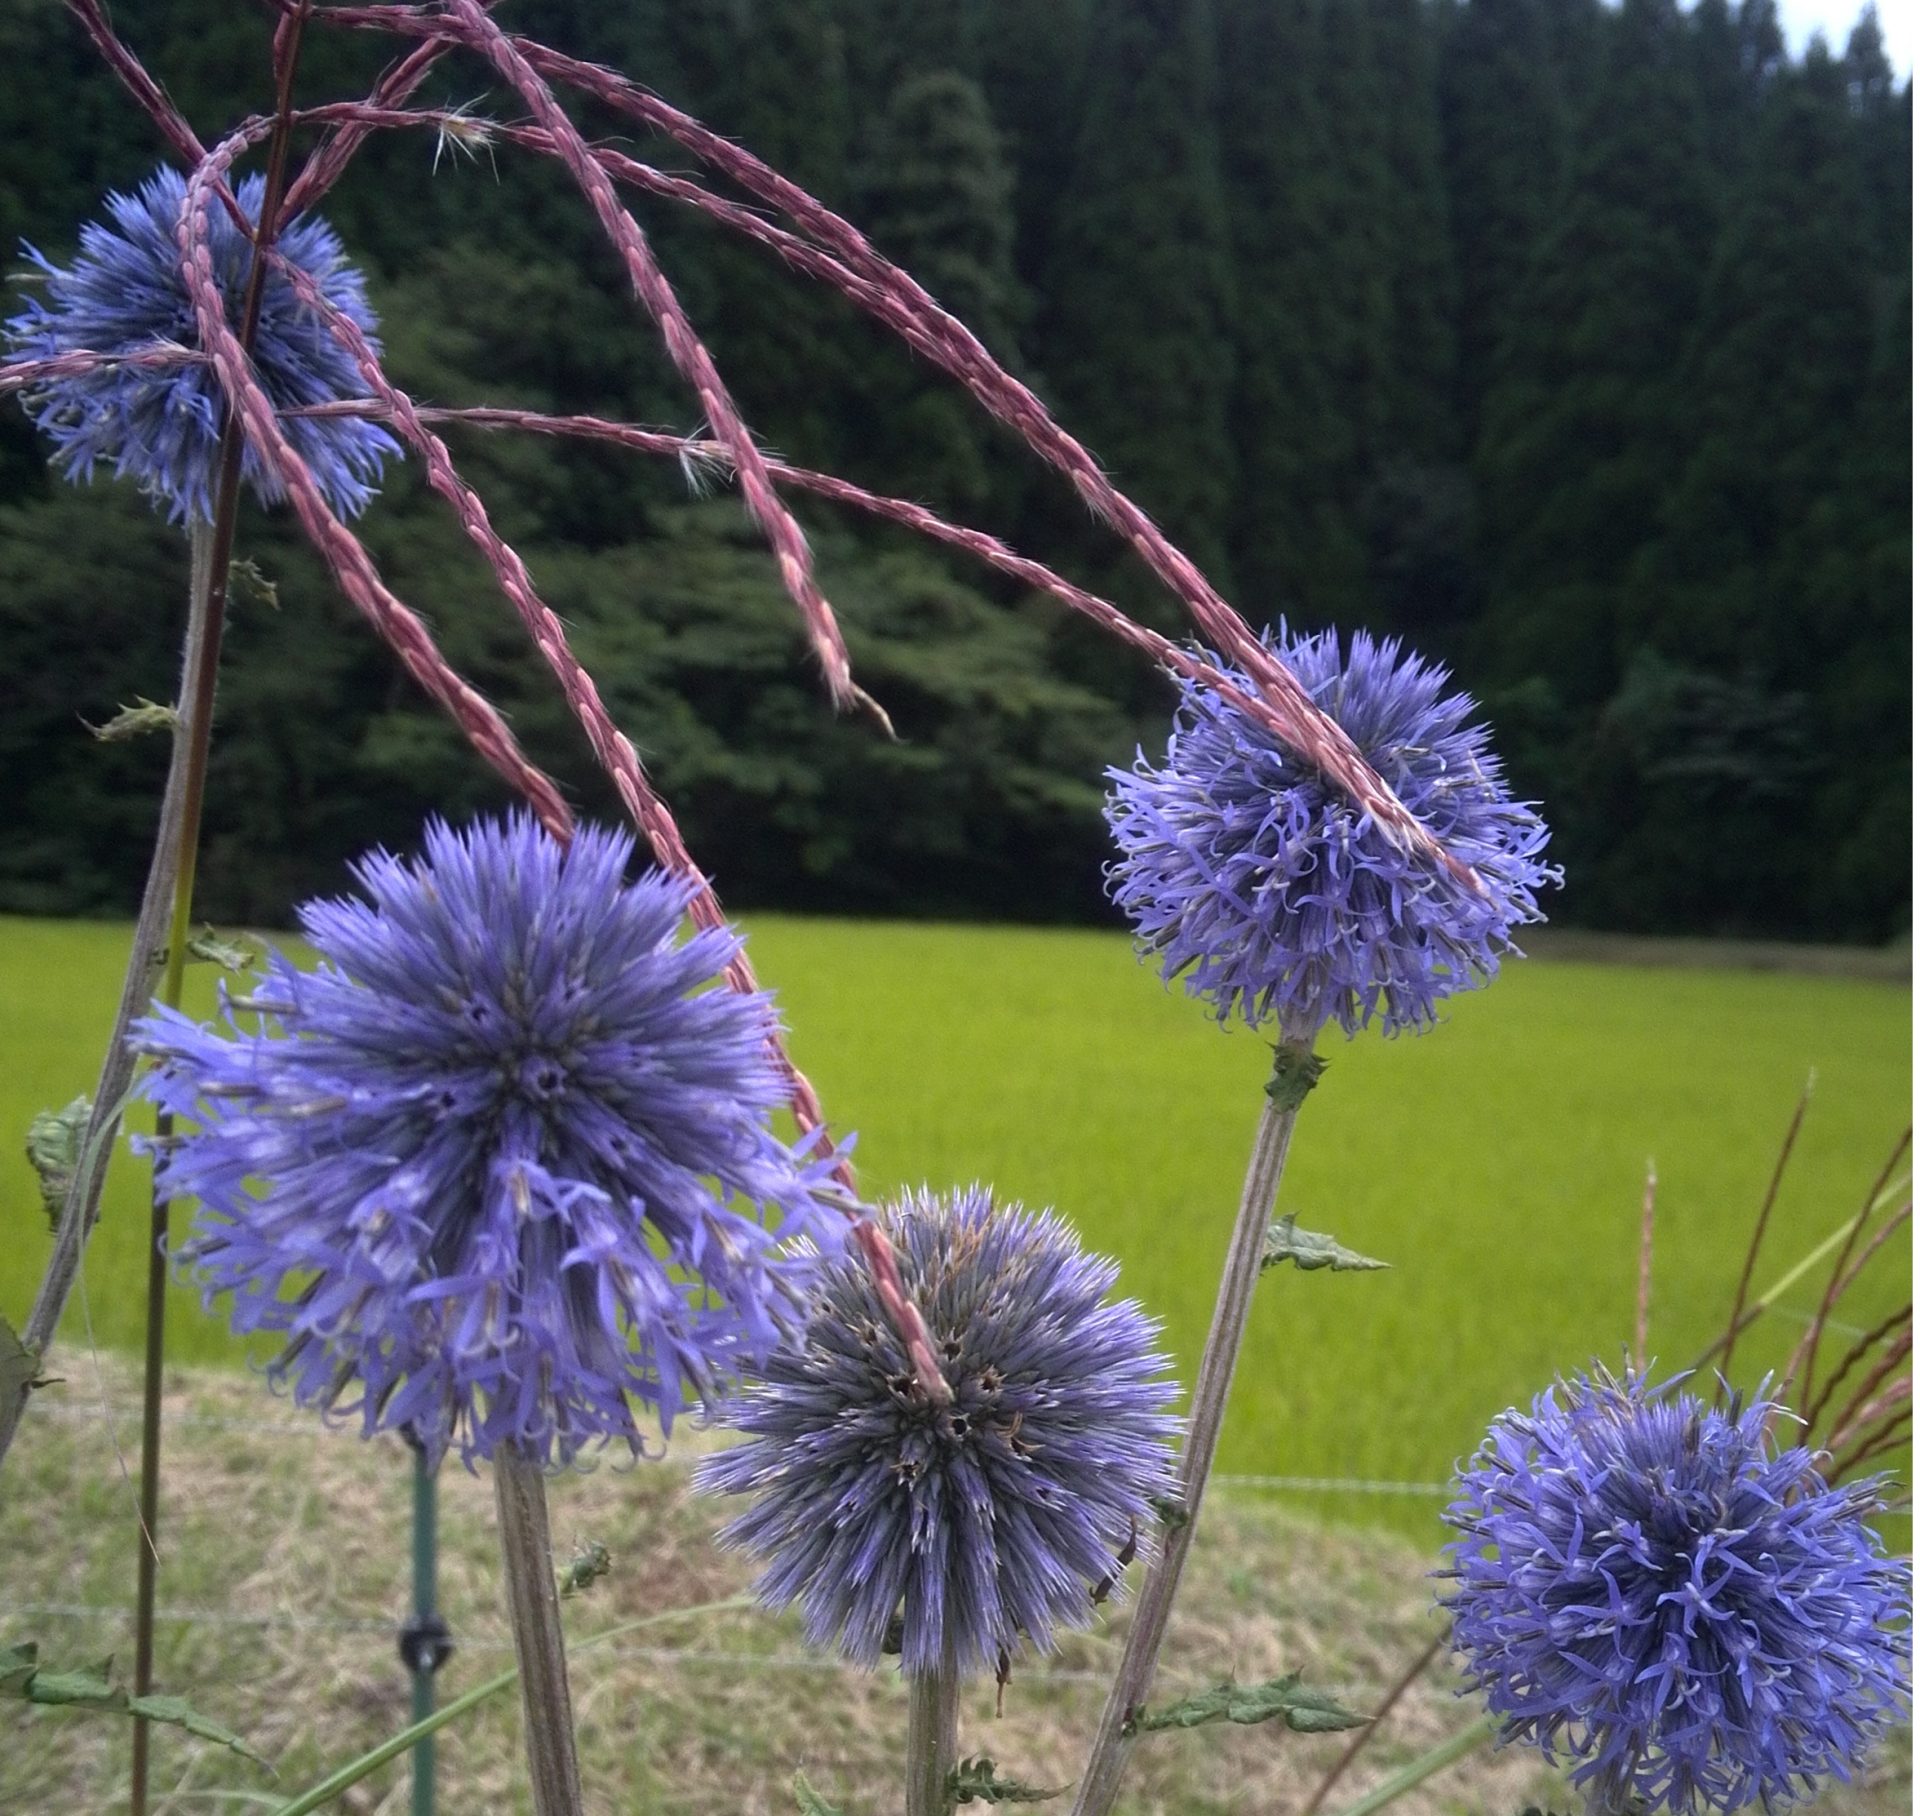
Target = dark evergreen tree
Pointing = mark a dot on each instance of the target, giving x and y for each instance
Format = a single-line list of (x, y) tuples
[(940, 200), (1137, 332)]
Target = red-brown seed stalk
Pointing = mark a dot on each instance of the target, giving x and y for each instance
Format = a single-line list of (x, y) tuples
[(949, 343), (616, 755), (684, 347)]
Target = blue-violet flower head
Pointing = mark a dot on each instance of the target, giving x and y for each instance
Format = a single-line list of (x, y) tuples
[(1650, 1591), (956, 1532), (509, 1167), (160, 425), (1259, 881)]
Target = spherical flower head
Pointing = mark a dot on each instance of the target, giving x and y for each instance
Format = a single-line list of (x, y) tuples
[(160, 425), (1651, 1591), (975, 1526), (508, 1164), (1263, 884)]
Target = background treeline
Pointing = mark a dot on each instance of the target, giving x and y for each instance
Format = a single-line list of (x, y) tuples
[(1570, 341)]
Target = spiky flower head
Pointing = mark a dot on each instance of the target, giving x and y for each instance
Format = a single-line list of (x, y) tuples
[(160, 425), (507, 1164), (980, 1525), (1651, 1591), (1273, 894)]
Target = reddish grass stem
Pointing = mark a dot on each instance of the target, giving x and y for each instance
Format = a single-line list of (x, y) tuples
[(1804, 1355), (1807, 1354), (1363, 1736), (1854, 1356), (1734, 1325), (616, 755), (947, 341), (688, 353)]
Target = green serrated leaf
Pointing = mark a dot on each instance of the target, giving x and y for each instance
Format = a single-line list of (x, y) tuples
[(21, 1675), (229, 952), (131, 721), (590, 1563), (54, 1139), (976, 1781), (1308, 1249), (810, 1801), (254, 582), (1279, 1699)]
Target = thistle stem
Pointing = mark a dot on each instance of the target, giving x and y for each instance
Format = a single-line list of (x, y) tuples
[(193, 723), (526, 1550), (1294, 1072), (212, 558), (425, 1661), (933, 1739)]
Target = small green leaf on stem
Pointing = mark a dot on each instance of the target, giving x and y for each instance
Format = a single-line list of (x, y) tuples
[(975, 1781), (1171, 1511), (1296, 1070), (254, 583), (230, 952), (21, 1675), (54, 1140), (590, 1563), (1281, 1698), (19, 1370), (1308, 1249), (810, 1801), (130, 721)]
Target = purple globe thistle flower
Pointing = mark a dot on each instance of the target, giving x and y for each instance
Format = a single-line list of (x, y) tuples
[(1651, 1592), (1273, 894), (977, 1525), (160, 425), (510, 1162)]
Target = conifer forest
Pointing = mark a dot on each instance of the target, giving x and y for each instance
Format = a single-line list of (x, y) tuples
[(1568, 342)]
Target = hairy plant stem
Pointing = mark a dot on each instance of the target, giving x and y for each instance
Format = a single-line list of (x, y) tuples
[(212, 560), (425, 1531), (1295, 1070), (526, 1551), (933, 1739), (192, 730)]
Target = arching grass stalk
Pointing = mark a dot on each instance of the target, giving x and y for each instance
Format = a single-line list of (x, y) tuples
[(1416, 1773), (336, 1784), (213, 556), (1295, 1072)]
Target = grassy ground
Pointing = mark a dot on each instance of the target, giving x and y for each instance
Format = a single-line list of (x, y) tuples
[(285, 1559), (1497, 1162)]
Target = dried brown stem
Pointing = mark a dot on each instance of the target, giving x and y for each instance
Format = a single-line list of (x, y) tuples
[(1734, 1325), (1868, 1402), (1363, 1736), (1877, 1443), (1854, 1356), (1837, 1288)]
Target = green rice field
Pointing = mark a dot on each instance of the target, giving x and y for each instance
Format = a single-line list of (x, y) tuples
[(1497, 1162)]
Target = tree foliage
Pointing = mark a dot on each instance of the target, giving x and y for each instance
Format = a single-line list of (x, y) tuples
[(1568, 340)]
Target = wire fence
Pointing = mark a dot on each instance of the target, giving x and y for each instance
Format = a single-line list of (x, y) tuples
[(76, 1413)]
